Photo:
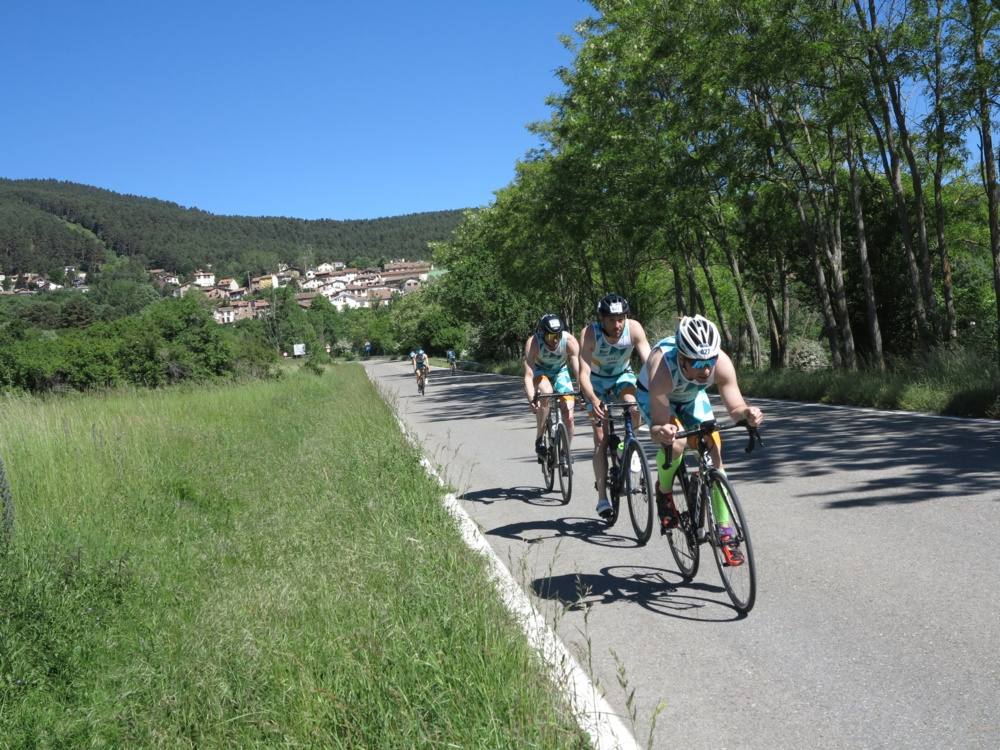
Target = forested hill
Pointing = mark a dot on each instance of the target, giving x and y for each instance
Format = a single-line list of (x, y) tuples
[(47, 224)]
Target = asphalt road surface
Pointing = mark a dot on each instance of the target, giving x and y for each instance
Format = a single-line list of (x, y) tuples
[(877, 542)]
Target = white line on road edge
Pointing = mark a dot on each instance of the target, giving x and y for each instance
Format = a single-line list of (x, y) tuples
[(593, 713)]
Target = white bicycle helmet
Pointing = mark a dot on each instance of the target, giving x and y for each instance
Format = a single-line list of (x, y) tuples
[(697, 337)]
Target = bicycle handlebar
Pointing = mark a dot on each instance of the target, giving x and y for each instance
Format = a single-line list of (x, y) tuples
[(556, 395), (707, 428)]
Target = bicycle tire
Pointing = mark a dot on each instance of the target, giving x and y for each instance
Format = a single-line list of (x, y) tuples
[(564, 463), (683, 540), (613, 488), (741, 580), (639, 491), (548, 461), (6, 511)]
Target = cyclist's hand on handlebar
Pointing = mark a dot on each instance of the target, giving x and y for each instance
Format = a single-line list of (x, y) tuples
[(598, 409), (754, 417), (533, 403), (663, 433)]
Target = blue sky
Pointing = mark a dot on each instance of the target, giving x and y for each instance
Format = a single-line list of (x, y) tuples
[(311, 109)]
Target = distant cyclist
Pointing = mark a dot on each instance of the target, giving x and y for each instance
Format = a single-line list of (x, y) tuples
[(368, 349), (606, 374), (550, 353), (452, 360), (672, 387), (421, 366)]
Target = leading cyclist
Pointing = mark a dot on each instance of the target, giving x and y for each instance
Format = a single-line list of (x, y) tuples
[(421, 365), (672, 387), (606, 374), (549, 355)]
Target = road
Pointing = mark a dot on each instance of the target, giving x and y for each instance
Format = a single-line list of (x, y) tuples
[(875, 534)]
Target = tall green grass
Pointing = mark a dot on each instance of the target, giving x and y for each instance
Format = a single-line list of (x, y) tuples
[(252, 565), (955, 382)]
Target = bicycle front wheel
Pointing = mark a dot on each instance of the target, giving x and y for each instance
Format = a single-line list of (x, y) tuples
[(683, 539), (548, 460), (564, 463), (613, 486), (731, 545), (638, 490)]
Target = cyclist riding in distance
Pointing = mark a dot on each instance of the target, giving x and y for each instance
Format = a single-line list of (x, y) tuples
[(420, 362), (606, 374), (672, 388), (549, 355), (452, 358)]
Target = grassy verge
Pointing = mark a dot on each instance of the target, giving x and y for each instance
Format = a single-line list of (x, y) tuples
[(253, 565), (959, 385)]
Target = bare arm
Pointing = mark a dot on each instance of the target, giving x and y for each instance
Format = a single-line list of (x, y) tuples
[(661, 386), (732, 398), (639, 340), (587, 343), (573, 357), (530, 355)]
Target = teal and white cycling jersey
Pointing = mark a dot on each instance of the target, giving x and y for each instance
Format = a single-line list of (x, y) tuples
[(688, 398), (611, 359), (550, 361)]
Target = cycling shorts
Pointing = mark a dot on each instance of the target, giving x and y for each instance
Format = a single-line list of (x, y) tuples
[(613, 387), (687, 415), (560, 379)]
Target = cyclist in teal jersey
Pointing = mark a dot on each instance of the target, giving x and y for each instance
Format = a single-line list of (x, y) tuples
[(421, 364), (672, 396), (549, 355), (606, 374)]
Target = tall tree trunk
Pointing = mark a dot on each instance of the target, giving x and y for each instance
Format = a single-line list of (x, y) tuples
[(734, 267), (826, 308), (892, 84), (894, 174), (713, 291), (874, 330), (678, 290), (977, 16), (950, 324)]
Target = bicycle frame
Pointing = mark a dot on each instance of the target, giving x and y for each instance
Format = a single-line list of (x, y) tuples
[(708, 494)]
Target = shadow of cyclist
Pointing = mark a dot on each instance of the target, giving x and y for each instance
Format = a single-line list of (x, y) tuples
[(650, 588)]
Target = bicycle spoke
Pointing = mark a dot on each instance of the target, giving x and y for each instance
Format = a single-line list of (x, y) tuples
[(638, 490), (732, 548), (683, 540)]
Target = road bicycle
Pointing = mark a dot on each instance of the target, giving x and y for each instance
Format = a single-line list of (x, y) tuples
[(692, 491), (453, 364), (422, 373), (6, 511), (558, 460), (628, 473)]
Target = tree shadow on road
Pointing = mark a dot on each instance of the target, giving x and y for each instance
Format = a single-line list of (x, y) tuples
[(648, 587), (879, 458)]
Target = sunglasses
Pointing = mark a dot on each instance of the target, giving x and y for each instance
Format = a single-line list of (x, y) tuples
[(701, 364), (552, 336)]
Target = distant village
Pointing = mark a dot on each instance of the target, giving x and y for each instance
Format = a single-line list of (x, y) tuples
[(345, 288)]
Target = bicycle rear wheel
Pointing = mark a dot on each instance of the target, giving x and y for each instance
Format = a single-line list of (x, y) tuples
[(564, 463), (6, 511), (683, 539), (638, 490), (740, 579)]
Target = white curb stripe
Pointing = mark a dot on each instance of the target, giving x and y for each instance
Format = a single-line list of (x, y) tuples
[(593, 713)]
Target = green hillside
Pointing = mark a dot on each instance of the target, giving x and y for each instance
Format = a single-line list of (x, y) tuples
[(46, 224)]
